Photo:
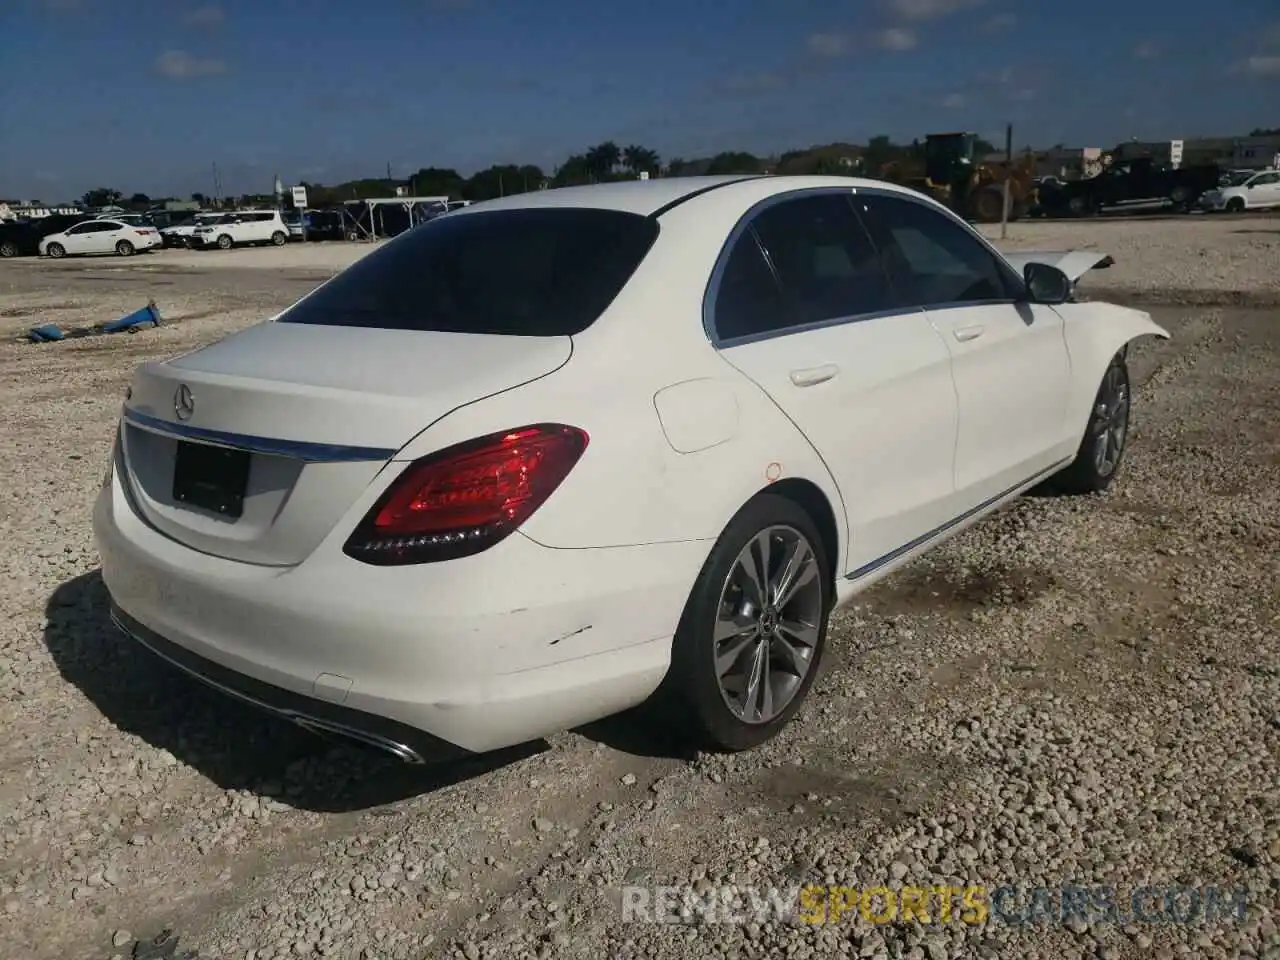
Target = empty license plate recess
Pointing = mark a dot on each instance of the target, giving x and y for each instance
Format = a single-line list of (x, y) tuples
[(212, 478)]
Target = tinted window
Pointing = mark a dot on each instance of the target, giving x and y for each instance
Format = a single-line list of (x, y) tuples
[(532, 272), (748, 299), (824, 259), (932, 259)]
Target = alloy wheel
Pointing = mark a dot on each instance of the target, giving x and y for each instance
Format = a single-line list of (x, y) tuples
[(768, 623), (1111, 421)]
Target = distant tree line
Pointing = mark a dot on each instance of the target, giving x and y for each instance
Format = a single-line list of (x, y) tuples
[(601, 163)]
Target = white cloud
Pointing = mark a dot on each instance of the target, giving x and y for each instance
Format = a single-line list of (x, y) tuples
[(1260, 66), (929, 9), (829, 44), (1001, 21), (180, 65), (206, 16), (896, 39), (953, 101), (1147, 50)]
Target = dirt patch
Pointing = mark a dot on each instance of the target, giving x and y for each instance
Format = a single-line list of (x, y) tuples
[(957, 593)]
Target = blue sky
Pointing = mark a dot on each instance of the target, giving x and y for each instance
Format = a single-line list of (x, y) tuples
[(146, 95)]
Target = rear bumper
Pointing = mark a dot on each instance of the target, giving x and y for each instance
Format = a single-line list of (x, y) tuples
[(406, 743), (470, 655)]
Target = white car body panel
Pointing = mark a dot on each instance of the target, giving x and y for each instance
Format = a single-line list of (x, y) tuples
[(76, 240), (1259, 192), (886, 381), (269, 380), (249, 226), (918, 434), (1011, 376)]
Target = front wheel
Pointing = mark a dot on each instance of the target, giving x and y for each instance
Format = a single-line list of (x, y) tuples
[(1080, 207), (224, 242), (8, 249), (1098, 458), (1235, 205), (124, 248), (56, 250), (750, 640)]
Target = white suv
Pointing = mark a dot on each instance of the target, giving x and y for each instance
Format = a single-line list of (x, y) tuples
[(242, 227)]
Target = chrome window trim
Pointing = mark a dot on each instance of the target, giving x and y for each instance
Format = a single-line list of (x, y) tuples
[(744, 224)]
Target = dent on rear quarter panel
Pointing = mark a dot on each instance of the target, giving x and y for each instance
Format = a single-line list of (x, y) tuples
[(697, 414)]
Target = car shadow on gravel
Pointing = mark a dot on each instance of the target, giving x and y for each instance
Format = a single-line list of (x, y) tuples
[(234, 745), (640, 732)]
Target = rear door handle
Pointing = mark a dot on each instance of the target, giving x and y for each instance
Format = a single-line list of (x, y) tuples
[(814, 375), (964, 334)]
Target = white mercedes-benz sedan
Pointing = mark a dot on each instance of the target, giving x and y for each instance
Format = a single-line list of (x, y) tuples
[(550, 457)]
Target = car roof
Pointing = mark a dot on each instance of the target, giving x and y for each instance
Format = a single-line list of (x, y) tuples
[(652, 197)]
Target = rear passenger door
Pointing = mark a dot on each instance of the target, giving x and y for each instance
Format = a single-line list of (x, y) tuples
[(1009, 357), (804, 308)]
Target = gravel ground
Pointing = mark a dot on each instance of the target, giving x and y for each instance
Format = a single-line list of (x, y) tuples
[(1074, 692)]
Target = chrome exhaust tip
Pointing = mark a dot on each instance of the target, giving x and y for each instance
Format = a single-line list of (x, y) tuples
[(402, 752)]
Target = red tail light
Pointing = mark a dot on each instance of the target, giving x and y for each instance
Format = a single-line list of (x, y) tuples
[(462, 500)]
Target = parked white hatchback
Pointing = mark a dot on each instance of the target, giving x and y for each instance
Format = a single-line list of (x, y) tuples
[(1258, 192), (242, 228), (100, 236), (545, 458)]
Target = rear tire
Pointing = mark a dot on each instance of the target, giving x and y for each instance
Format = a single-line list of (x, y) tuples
[(56, 250), (124, 248), (1101, 450), (279, 239), (8, 249), (740, 690)]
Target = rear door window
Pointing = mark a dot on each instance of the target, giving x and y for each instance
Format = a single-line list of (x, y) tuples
[(532, 272), (824, 259)]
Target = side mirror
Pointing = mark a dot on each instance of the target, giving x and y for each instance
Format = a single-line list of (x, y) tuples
[(1249, 185), (1046, 284)]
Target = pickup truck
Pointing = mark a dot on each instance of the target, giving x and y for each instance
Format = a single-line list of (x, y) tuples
[(1129, 181)]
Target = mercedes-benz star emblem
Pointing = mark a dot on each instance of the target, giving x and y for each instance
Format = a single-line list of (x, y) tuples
[(184, 404)]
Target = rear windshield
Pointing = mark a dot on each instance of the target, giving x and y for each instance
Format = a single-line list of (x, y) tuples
[(530, 272)]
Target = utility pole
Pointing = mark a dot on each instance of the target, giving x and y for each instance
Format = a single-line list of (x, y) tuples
[(1008, 176)]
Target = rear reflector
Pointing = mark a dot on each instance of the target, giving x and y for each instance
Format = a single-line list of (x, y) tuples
[(464, 499)]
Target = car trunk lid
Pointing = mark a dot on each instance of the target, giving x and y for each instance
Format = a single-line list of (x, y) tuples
[(255, 447)]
